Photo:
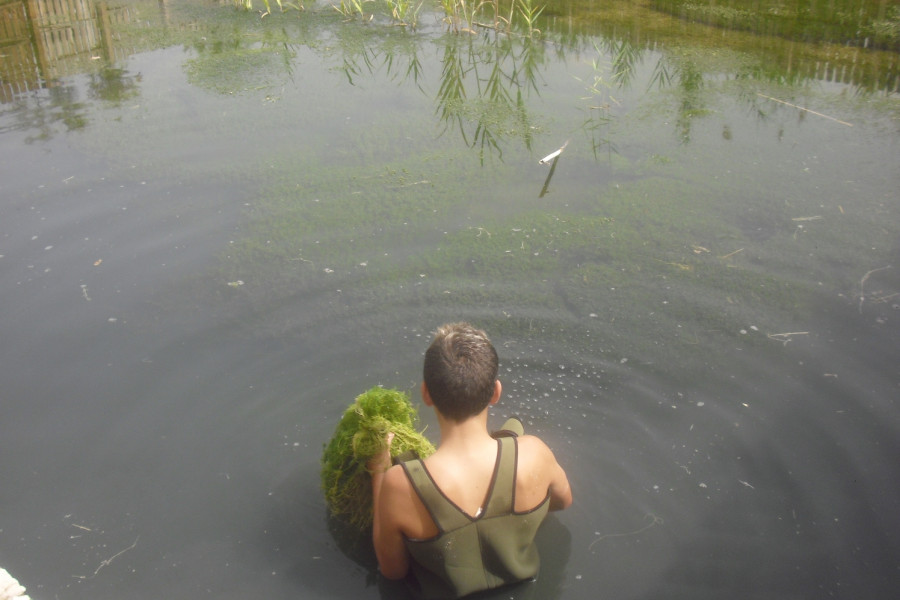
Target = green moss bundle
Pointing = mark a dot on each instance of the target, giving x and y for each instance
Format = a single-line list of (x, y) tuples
[(359, 436)]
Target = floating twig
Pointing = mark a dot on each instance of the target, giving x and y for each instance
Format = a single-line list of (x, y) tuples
[(784, 338), (818, 114), (730, 254), (682, 266), (655, 521), (417, 183), (106, 562), (881, 298), (862, 283), (816, 218)]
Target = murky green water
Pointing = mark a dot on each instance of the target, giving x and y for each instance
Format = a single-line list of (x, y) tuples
[(217, 228)]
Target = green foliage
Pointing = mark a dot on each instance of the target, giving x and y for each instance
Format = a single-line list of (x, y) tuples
[(359, 436), (349, 8), (530, 12), (465, 16), (248, 5), (405, 12)]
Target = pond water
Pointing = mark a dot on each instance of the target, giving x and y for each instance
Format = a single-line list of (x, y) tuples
[(217, 229)]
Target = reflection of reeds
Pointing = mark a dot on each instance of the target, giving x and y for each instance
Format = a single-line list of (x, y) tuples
[(484, 84), (397, 56), (618, 73)]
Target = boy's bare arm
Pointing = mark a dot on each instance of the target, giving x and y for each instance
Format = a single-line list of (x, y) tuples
[(387, 486), (390, 549), (560, 490)]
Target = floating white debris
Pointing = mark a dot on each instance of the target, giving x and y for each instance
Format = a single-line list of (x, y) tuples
[(237, 283), (553, 155)]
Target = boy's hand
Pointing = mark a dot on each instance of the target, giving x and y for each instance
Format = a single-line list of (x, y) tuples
[(381, 462)]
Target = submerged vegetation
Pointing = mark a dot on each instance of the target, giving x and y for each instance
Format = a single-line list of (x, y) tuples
[(417, 203), (413, 197)]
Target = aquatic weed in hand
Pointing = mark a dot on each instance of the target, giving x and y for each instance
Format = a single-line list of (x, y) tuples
[(359, 436)]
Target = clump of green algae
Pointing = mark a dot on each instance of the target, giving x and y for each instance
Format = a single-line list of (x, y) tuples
[(359, 436)]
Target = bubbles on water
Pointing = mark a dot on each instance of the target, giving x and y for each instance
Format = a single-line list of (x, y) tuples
[(550, 391)]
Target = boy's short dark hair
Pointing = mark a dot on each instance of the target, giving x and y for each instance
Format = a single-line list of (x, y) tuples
[(460, 369)]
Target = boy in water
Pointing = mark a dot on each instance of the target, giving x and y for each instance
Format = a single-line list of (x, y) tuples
[(464, 519)]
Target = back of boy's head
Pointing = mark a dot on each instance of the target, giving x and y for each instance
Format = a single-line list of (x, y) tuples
[(460, 370)]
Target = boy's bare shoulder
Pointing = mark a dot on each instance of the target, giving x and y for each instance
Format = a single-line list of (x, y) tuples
[(538, 474), (532, 443), (395, 479), (532, 449), (538, 463)]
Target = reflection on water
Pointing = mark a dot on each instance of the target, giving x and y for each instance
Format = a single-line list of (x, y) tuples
[(863, 24), (485, 79), (44, 41), (215, 236), (783, 56), (484, 85)]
